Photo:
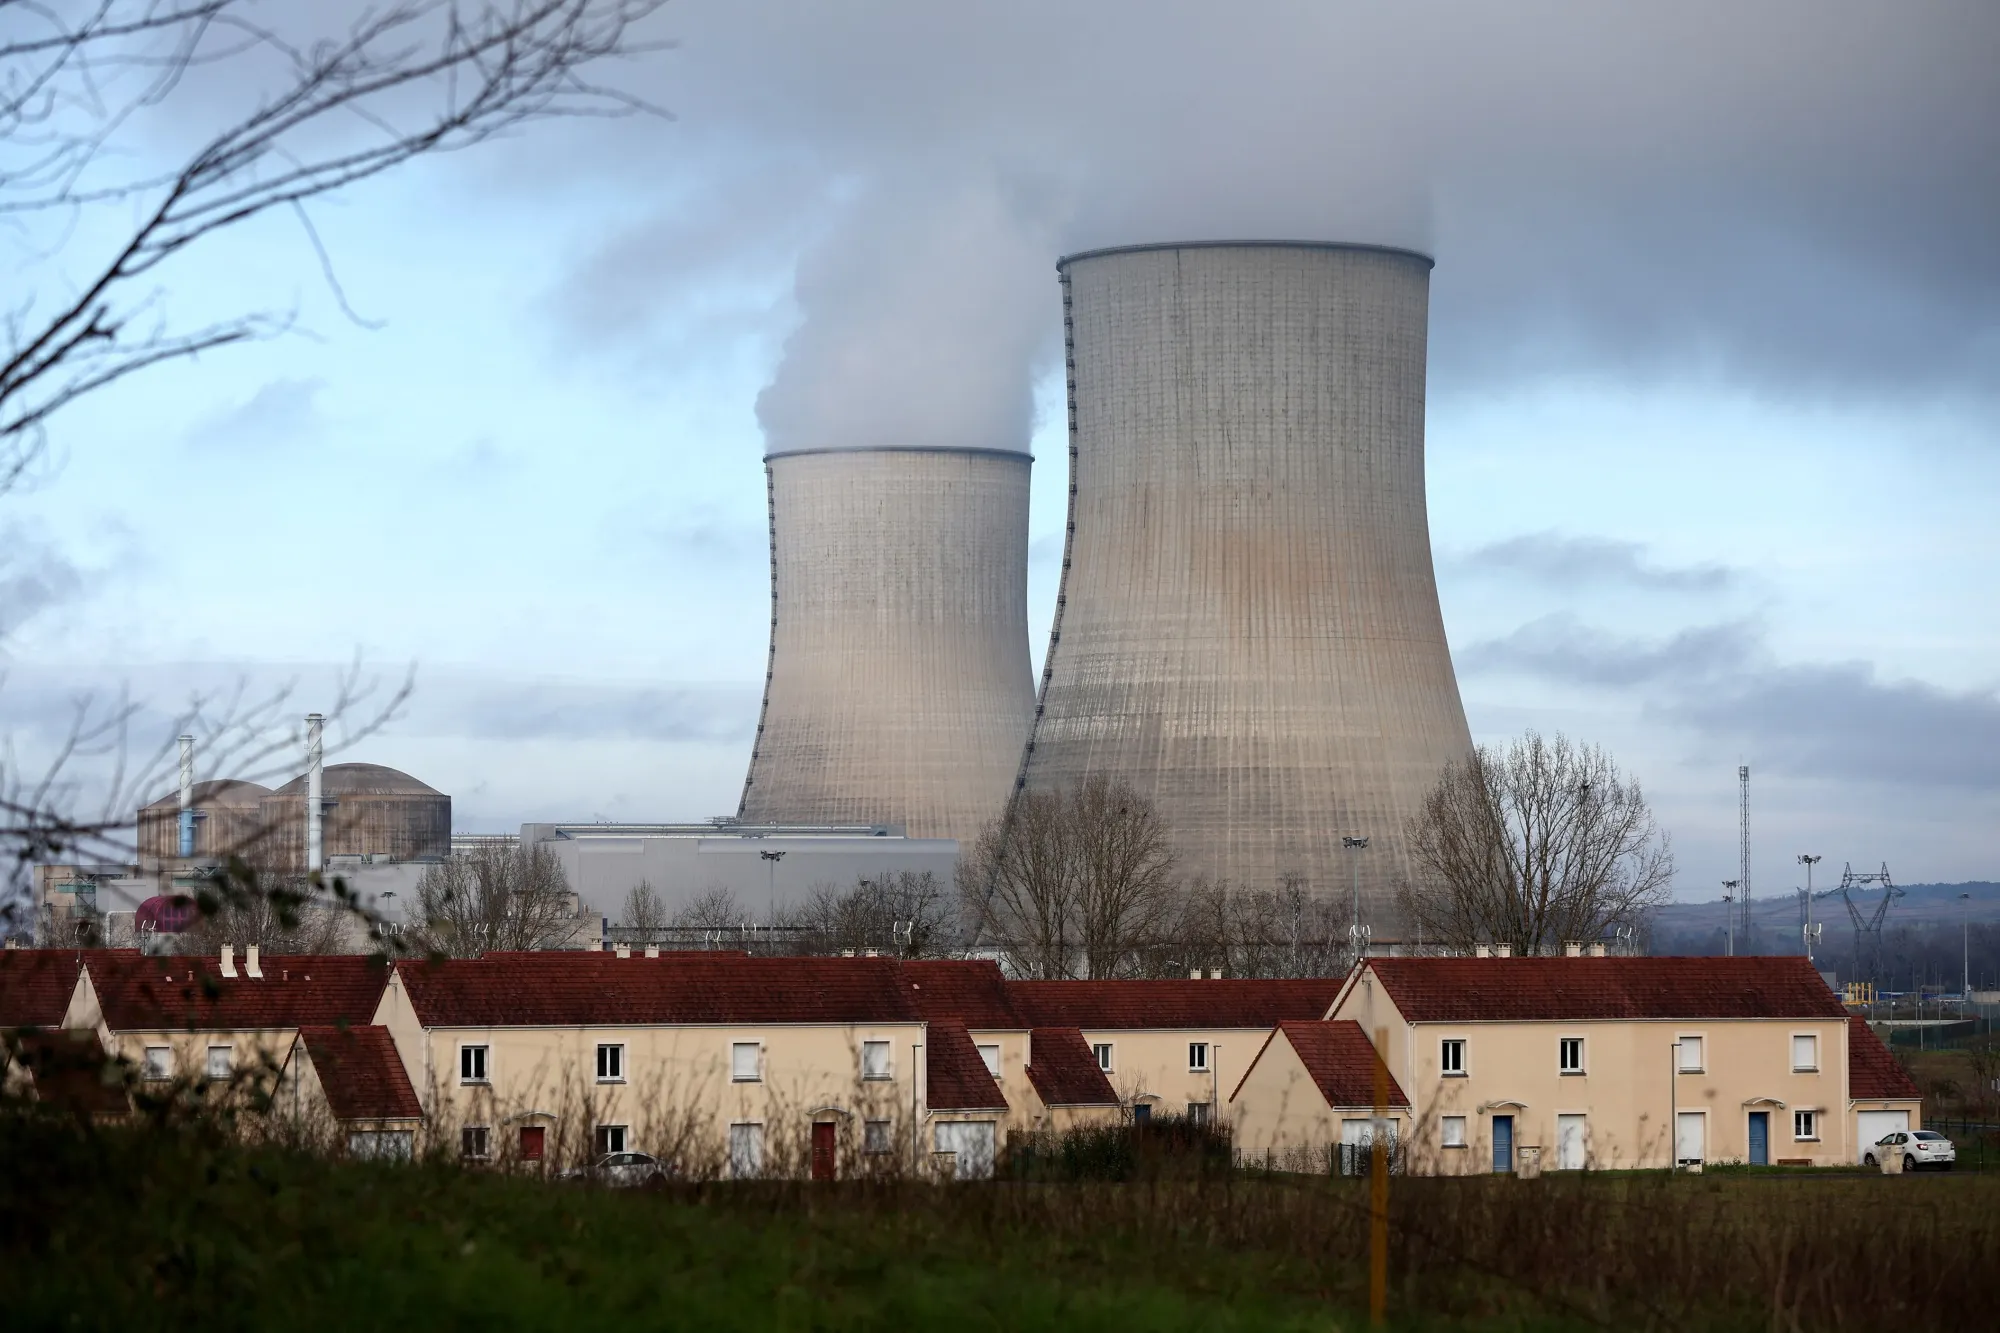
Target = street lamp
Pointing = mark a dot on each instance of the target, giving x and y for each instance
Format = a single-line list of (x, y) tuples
[(1356, 845), (1805, 904), (1729, 913), (771, 859)]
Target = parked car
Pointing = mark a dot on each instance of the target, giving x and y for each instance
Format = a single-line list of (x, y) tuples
[(623, 1169), (1920, 1150)]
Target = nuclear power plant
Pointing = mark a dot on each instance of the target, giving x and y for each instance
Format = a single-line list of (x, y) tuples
[(900, 686), (1248, 629)]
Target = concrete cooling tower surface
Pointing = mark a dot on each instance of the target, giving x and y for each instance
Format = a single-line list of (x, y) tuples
[(1248, 630), (900, 687)]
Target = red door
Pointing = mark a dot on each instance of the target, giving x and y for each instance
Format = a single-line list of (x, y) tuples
[(532, 1139), (823, 1141)]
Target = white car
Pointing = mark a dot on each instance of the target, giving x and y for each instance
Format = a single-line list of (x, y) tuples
[(623, 1169), (1919, 1149)]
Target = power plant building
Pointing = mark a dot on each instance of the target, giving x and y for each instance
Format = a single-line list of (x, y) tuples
[(900, 686), (1248, 631)]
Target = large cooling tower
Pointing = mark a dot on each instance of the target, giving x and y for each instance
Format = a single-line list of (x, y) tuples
[(900, 688), (1248, 630)]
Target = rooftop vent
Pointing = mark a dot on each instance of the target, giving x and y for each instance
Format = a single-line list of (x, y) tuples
[(1572, 950), (1481, 951), (1215, 974), (229, 960), (1597, 949), (1503, 951), (624, 951), (251, 968), (652, 951)]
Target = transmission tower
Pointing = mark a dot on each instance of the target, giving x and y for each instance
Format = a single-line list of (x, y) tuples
[(1868, 930), (1743, 870)]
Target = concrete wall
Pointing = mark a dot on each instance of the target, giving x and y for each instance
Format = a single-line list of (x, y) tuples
[(900, 687), (1249, 629)]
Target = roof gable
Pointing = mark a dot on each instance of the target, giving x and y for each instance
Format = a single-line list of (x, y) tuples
[(185, 993), (36, 985), (1475, 990), (360, 1073), (1873, 1071), (1339, 1059), (1064, 1070), (1139, 1005), (956, 1079), (559, 989)]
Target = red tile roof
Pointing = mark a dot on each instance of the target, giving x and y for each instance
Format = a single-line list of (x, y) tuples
[(567, 989), (72, 1072), (1872, 1070), (361, 1074), (36, 984), (1064, 1069), (972, 990), (1340, 1059), (956, 1079), (1138, 1005), (184, 993), (1475, 990)]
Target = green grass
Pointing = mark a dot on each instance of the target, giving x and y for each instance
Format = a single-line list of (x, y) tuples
[(149, 1228)]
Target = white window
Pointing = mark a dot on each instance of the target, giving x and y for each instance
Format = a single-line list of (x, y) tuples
[(1103, 1049), (1690, 1055), (221, 1062), (472, 1064), (991, 1056), (1569, 1055), (1197, 1057), (610, 1139), (391, 1145), (746, 1151), (1805, 1053), (1198, 1113), (1805, 1126), (875, 1060), (611, 1064), (1451, 1056), (159, 1062), (875, 1136), (1454, 1131), (472, 1142), (746, 1064)]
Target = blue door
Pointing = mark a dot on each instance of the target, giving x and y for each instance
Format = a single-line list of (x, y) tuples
[(1760, 1138), (1503, 1143)]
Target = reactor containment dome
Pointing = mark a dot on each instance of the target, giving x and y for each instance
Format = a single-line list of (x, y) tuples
[(900, 686), (1248, 630)]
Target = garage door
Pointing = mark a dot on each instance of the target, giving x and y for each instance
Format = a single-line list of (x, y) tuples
[(1872, 1125)]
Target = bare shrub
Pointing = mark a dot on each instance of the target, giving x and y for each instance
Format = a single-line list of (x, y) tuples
[(499, 897)]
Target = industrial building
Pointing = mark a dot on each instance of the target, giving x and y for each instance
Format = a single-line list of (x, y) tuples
[(766, 868), (1248, 629), (900, 686)]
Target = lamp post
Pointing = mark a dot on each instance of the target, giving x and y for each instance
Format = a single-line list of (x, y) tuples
[(1965, 953), (1356, 845), (1807, 860), (771, 859), (1729, 912)]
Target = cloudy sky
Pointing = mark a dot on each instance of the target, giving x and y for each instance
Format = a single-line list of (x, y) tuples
[(1714, 424)]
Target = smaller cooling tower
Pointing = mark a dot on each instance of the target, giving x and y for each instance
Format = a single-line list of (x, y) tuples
[(900, 689)]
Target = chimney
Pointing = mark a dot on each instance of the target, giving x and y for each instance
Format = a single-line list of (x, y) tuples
[(652, 951), (1215, 974), (624, 951), (1481, 951), (1503, 951), (315, 813), (229, 960), (250, 966), (1597, 949), (1572, 950), (186, 825), (1194, 974)]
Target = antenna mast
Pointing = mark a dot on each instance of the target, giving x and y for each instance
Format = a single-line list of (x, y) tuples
[(1743, 871)]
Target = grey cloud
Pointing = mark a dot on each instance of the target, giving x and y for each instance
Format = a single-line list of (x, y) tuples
[(283, 412), (1575, 562), (1794, 196), (34, 576), (574, 711), (1824, 720)]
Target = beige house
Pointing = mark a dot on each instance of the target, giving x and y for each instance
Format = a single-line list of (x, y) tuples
[(1581, 1062), (346, 1087), (715, 1063), (1308, 1100), (1172, 1047)]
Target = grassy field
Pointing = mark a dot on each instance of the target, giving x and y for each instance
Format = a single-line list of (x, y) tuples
[(139, 1229)]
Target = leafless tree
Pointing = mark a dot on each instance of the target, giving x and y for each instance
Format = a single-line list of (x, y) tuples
[(644, 915), (500, 897), (906, 913), (259, 120), (280, 914), (1076, 882), (1534, 846), (716, 909)]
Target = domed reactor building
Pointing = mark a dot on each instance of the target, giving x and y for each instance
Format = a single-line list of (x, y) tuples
[(1248, 631), (900, 686)]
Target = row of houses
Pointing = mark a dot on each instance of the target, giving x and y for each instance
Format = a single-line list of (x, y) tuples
[(730, 1064)]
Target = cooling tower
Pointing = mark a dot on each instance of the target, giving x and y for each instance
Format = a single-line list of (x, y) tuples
[(1248, 631), (900, 687)]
